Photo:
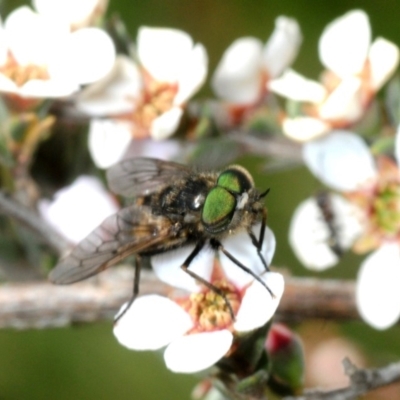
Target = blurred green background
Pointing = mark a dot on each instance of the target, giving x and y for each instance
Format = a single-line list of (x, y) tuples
[(86, 362)]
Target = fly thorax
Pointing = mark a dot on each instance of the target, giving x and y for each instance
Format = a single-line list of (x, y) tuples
[(198, 201)]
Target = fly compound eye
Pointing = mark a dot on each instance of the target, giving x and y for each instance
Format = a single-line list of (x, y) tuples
[(218, 209), (235, 179)]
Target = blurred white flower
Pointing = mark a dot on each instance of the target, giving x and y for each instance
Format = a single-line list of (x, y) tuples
[(77, 13), (355, 71), (79, 208), (366, 217), (196, 326), (40, 57), (147, 97), (247, 65)]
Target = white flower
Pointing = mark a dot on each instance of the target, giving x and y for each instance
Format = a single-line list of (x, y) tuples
[(197, 328), (355, 70), (79, 208), (77, 13), (366, 217), (40, 56), (247, 64), (149, 95)]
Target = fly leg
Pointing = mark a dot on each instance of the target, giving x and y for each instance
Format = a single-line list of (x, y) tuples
[(136, 280), (259, 242), (216, 244), (185, 267)]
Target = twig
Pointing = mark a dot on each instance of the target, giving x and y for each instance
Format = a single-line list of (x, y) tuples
[(272, 146), (40, 305), (362, 381), (10, 207)]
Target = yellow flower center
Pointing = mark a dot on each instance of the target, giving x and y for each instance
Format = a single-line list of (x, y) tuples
[(156, 99), (209, 310), (385, 210), (380, 202), (21, 74)]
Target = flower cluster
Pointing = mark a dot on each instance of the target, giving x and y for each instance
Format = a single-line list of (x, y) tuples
[(144, 97), (242, 76), (41, 56), (355, 70)]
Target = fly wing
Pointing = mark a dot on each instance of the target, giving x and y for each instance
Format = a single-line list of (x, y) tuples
[(142, 176), (132, 230)]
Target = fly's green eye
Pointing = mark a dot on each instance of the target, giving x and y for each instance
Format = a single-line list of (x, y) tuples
[(218, 209), (235, 179)]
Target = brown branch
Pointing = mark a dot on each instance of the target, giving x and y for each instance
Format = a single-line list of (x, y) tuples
[(42, 305), (362, 381), (318, 298)]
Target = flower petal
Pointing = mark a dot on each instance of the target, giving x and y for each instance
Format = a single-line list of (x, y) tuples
[(241, 247), (340, 160), (238, 76), (34, 38), (282, 47), (114, 93), (309, 236), (151, 322), (167, 266), (166, 124), (76, 12), (250, 315), (296, 87), (348, 220), (193, 74), (304, 129), (344, 43), (88, 56), (108, 141), (269, 244), (79, 208), (163, 51), (7, 85), (52, 88), (196, 352), (377, 290), (345, 102), (383, 61)]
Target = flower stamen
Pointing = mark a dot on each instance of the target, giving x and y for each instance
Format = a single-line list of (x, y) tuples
[(21, 74), (209, 310), (156, 99), (381, 205)]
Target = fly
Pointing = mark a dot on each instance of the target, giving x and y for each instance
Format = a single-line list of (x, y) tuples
[(173, 206)]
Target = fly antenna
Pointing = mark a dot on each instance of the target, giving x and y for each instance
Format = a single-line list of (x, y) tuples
[(263, 194)]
